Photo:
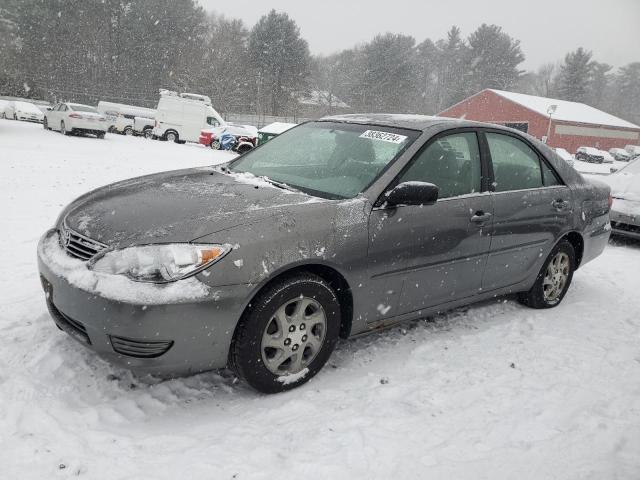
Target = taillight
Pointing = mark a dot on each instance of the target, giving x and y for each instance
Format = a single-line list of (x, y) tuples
[(610, 201), (75, 115)]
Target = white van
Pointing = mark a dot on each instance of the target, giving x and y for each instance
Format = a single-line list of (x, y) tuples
[(181, 117), (121, 116)]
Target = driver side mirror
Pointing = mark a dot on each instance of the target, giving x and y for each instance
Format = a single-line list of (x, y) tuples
[(413, 193)]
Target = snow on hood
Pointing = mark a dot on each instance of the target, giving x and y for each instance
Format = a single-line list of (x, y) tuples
[(116, 287), (177, 206)]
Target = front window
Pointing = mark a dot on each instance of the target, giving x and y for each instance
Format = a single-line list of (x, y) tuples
[(327, 159), (452, 163), (213, 122)]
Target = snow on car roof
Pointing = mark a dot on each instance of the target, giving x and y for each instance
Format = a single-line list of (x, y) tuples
[(276, 128), (566, 111)]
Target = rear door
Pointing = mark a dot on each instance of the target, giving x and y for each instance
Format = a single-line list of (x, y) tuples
[(435, 252), (531, 209)]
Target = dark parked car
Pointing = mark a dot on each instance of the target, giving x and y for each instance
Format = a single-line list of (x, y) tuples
[(335, 228), (589, 154)]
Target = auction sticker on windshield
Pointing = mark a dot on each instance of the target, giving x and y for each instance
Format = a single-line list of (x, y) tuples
[(384, 136)]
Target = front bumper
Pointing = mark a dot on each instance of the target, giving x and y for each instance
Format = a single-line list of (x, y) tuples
[(625, 218), (167, 340)]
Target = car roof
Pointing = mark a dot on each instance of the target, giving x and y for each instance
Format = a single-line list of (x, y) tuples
[(408, 121)]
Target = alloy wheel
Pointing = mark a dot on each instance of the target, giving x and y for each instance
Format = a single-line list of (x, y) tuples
[(556, 277), (293, 336)]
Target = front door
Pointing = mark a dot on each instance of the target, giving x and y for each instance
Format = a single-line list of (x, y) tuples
[(531, 208), (435, 252)]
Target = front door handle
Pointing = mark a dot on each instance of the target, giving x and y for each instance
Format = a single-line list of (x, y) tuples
[(560, 204), (480, 217)]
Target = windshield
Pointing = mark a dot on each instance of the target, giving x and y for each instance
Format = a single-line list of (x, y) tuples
[(82, 108), (326, 159)]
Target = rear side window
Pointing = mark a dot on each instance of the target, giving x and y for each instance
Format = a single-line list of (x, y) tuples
[(515, 165), (452, 163)]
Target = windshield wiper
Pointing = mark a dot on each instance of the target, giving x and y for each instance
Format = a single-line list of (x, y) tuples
[(281, 185)]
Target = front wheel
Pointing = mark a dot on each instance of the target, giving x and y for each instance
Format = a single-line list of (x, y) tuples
[(554, 278), (148, 133), (100, 135), (63, 129), (287, 334), (45, 124), (128, 131)]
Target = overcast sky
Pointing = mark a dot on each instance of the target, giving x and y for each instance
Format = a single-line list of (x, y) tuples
[(547, 29)]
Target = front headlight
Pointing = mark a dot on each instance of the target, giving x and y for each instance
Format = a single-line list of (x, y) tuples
[(160, 263)]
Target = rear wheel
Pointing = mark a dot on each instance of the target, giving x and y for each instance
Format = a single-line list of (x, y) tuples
[(147, 132), (171, 137), (100, 135), (128, 131), (554, 278), (45, 124), (287, 334)]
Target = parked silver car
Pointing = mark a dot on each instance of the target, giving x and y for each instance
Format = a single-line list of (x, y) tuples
[(335, 228)]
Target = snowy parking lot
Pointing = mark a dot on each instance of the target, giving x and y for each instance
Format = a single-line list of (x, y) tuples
[(492, 391)]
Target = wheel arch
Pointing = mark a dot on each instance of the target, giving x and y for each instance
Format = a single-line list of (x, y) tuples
[(577, 242), (329, 274)]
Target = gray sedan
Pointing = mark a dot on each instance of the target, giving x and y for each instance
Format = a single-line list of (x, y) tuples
[(336, 228)]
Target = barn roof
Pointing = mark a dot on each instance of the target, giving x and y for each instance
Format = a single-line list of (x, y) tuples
[(565, 111)]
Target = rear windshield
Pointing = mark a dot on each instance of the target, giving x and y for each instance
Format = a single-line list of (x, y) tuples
[(82, 108), (327, 159)]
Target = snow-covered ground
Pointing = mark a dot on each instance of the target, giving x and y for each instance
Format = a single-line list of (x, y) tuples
[(495, 391)]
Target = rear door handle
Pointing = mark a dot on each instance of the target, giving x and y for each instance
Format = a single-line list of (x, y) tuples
[(560, 204), (480, 217)]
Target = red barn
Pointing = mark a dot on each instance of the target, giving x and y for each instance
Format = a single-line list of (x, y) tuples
[(570, 125)]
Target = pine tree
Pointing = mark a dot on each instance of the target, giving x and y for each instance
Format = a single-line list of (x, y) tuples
[(575, 75), (493, 59), (281, 62)]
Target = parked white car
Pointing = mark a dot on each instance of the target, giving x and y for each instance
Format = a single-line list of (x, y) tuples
[(181, 117), (625, 190), (70, 118), (607, 157), (633, 150), (565, 155), (143, 126), (24, 111), (620, 154), (3, 105), (120, 117)]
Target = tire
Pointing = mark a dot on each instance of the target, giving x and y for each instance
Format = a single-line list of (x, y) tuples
[(554, 278), (147, 133), (100, 135), (279, 316), (128, 131), (63, 130), (243, 149), (45, 125), (171, 137), (215, 145)]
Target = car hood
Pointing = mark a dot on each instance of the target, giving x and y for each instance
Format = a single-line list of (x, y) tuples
[(177, 206)]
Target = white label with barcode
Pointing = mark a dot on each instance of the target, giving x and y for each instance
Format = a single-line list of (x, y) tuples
[(384, 136)]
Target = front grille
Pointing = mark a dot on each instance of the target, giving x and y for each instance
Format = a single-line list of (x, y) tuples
[(79, 246), (68, 324), (139, 348)]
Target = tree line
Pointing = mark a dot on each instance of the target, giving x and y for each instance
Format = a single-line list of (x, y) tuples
[(126, 51)]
